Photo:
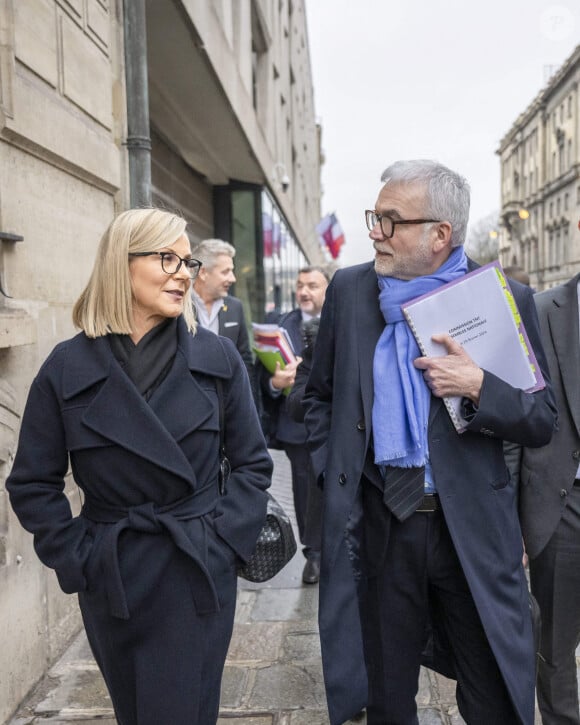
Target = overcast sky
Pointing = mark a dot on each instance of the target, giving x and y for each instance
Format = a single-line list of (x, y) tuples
[(440, 79)]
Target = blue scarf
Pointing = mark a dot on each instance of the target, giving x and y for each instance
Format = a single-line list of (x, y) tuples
[(402, 398)]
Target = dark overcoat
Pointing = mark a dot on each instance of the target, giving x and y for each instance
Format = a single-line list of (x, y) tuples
[(153, 554), (547, 474), (477, 497), (287, 430)]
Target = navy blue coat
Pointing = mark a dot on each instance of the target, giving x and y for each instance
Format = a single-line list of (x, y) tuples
[(287, 430), (477, 496), (153, 554)]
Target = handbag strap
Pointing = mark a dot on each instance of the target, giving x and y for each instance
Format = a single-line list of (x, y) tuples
[(224, 464), (220, 394)]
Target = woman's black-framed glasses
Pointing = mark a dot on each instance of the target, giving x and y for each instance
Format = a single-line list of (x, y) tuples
[(171, 262), (372, 218)]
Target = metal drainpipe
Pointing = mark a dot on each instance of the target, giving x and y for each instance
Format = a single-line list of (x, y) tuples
[(138, 135)]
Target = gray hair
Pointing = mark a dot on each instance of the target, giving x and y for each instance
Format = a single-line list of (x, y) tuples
[(447, 193), (209, 250)]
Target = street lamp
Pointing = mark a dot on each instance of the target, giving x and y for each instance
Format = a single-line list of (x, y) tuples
[(512, 219)]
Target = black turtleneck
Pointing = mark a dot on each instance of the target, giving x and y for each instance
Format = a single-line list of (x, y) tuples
[(148, 362)]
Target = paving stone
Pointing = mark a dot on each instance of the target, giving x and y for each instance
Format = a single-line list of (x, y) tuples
[(234, 718), (302, 646), (424, 692), (78, 689), (295, 605), (320, 717), (310, 717), (258, 641), (444, 686), (77, 655), (234, 685), (73, 717), (244, 604), (288, 687), (454, 716), (430, 716)]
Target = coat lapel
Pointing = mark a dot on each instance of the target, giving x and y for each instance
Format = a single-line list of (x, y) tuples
[(563, 324), (119, 413), (369, 325), (181, 402)]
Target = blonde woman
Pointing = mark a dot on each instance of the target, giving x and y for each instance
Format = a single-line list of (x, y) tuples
[(132, 404)]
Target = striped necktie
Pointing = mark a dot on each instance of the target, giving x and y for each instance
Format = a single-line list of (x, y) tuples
[(404, 489)]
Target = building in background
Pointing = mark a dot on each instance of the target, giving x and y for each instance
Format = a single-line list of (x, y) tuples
[(202, 106), (540, 182)]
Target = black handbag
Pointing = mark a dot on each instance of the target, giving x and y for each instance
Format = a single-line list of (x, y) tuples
[(275, 547), (276, 543)]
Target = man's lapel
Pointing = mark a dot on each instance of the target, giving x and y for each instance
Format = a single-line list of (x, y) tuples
[(563, 324), (369, 326)]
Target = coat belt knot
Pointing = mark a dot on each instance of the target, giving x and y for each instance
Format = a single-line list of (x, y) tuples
[(152, 519), (144, 518)]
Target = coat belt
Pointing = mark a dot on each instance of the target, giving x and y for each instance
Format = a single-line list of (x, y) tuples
[(152, 519)]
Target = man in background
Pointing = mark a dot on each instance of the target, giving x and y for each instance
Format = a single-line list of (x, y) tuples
[(311, 287), (216, 309), (517, 273), (549, 480)]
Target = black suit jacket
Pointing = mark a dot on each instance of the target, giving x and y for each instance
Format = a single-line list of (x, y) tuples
[(547, 474), (232, 324)]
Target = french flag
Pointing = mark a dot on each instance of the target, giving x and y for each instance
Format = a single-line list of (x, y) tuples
[(331, 234), (267, 234)]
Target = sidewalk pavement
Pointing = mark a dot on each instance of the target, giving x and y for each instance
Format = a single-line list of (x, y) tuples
[(273, 673)]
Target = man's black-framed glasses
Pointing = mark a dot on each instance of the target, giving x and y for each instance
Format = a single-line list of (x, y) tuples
[(171, 262), (388, 224)]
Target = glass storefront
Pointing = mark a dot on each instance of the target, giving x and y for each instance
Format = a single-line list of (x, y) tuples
[(268, 255), (282, 258)]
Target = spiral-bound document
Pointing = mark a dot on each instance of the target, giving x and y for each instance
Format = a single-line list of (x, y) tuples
[(478, 310)]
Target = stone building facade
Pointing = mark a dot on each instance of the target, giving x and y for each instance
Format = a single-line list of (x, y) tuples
[(230, 136), (540, 182)]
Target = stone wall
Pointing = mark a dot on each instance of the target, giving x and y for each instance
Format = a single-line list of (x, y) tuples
[(63, 167)]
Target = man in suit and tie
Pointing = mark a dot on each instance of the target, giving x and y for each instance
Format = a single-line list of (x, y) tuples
[(421, 543), (550, 511), (217, 310), (311, 285)]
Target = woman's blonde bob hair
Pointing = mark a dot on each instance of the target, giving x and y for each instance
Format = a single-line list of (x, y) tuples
[(106, 304)]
